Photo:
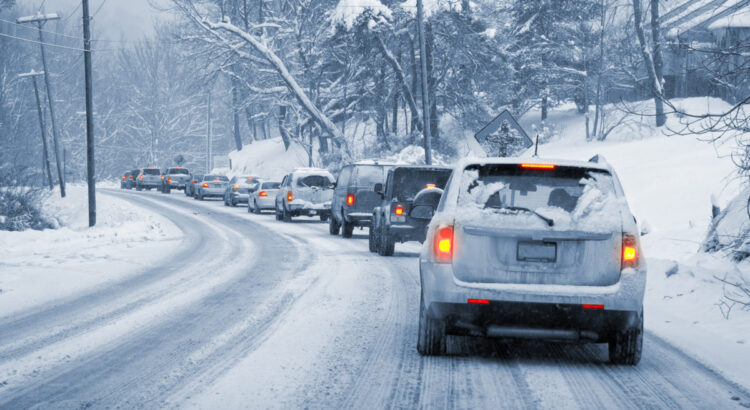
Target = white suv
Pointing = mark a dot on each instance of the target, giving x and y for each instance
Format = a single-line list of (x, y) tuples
[(305, 191), (533, 250)]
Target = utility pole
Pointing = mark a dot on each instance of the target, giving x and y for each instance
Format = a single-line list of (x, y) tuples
[(90, 177), (40, 19), (33, 74), (425, 88), (208, 135)]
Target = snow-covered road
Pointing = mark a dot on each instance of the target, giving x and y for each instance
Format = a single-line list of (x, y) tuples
[(255, 313)]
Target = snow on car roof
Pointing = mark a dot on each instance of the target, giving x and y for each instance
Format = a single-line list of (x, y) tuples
[(377, 162), (311, 171)]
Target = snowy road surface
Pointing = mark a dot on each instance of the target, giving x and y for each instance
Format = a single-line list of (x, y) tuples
[(255, 313)]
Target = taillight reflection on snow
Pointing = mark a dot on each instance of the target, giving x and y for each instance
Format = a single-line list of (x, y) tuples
[(444, 244)]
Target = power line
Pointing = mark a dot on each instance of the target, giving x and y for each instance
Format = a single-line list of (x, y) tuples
[(39, 42)]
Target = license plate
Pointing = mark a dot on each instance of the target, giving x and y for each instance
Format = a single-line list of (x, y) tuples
[(533, 251)]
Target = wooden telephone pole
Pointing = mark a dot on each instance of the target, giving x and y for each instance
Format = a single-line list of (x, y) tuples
[(33, 75), (40, 19), (425, 87), (90, 176)]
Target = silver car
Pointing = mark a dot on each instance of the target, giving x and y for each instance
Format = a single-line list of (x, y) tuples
[(543, 250), (306, 191), (239, 188), (263, 198), (211, 186)]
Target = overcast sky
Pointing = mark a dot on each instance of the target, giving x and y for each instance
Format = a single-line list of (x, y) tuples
[(115, 19)]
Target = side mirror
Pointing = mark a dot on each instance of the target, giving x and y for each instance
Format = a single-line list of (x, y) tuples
[(379, 188)]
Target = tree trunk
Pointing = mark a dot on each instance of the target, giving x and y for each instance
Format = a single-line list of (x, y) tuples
[(236, 114), (544, 105), (408, 95), (432, 83), (415, 120), (649, 63), (250, 122), (285, 137), (658, 59)]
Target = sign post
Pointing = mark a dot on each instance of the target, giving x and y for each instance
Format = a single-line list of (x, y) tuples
[(501, 135)]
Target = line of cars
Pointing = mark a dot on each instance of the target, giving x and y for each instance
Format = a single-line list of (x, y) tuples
[(511, 249)]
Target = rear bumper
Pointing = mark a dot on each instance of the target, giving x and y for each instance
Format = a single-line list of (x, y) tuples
[(358, 218), (309, 208), (404, 233), (211, 191), (149, 184), (526, 320), (265, 203), (440, 286), (240, 197)]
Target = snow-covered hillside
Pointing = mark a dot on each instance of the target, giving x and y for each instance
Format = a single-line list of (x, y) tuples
[(267, 159)]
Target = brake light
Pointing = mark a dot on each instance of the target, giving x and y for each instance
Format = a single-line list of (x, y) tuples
[(478, 301), (250, 178), (162, 177), (236, 187), (132, 177), (398, 210), (289, 196), (140, 176), (262, 193), (428, 186), (169, 180), (586, 306), (217, 180), (629, 251), (194, 182), (205, 185), (350, 199), (179, 167), (444, 244), (538, 166), (124, 177)]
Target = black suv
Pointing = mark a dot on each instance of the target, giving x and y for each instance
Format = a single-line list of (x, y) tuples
[(403, 214), (354, 198), (176, 178)]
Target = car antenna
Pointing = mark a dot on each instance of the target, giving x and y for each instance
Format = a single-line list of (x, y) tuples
[(536, 147)]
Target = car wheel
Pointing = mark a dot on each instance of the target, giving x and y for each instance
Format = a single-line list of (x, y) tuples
[(626, 345), (232, 201), (278, 214), (333, 226), (372, 239), (256, 210), (347, 228), (200, 196), (431, 337), (286, 216), (324, 217), (138, 188), (387, 244)]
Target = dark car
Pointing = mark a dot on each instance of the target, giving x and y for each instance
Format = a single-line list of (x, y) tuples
[(148, 178), (191, 185), (126, 180), (174, 178), (354, 198), (239, 189), (400, 217)]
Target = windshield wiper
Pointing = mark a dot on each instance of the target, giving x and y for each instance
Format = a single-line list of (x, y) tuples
[(549, 221)]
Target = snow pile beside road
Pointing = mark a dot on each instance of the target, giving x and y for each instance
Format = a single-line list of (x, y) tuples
[(267, 159), (40, 266), (730, 231)]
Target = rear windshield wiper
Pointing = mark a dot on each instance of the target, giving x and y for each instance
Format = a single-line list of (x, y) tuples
[(549, 221)]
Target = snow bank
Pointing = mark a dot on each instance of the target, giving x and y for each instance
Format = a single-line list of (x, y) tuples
[(730, 230), (267, 159), (40, 266)]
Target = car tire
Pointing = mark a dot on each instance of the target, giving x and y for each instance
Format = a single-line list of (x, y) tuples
[(626, 345), (431, 337), (278, 214), (200, 197), (387, 244), (256, 210), (347, 228), (333, 226), (232, 201), (372, 239), (286, 216), (138, 188)]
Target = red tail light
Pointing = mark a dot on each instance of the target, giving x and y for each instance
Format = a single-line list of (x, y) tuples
[(538, 166), (140, 176), (194, 182), (124, 177), (444, 245), (262, 193), (236, 187), (629, 251), (162, 177), (169, 180), (289, 196), (478, 301), (132, 177), (430, 186), (586, 306), (350, 199), (205, 185), (398, 210)]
